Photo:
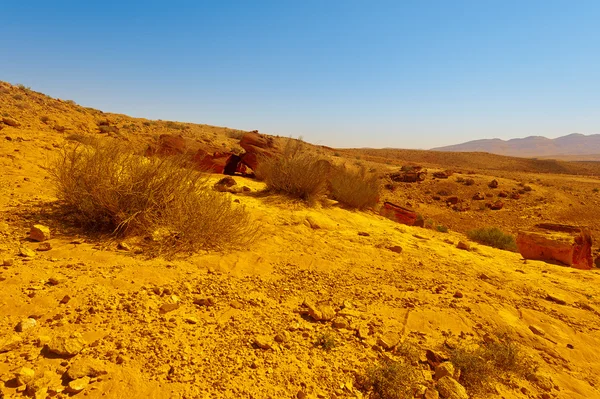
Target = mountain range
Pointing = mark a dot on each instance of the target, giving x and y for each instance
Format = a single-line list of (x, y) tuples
[(575, 144)]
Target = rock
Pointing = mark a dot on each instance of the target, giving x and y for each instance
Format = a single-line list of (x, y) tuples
[(217, 162), (7, 262), (568, 249), (25, 375), (536, 330), (496, 206), (463, 245), (168, 307), (479, 196), (226, 181), (38, 387), (555, 299), (9, 342), (319, 313), (449, 388), (458, 294), (282, 337), (398, 214), (431, 393), (26, 252), (123, 246), (443, 370), (396, 248), (312, 223), (503, 194), (515, 196), (25, 325), (65, 300), (256, 147), (10, 121), (45, 246), (453, 200), (39, 232), (493, 184), (86, 367), (341, 323), (66, 345), (389, 340), (56, 280), (191, 320), (168, 144), (434, 359), (78, 385), (443, 175), (204, 301), (263, 342)]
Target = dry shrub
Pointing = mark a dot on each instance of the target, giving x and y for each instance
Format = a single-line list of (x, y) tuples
[(109, 187), (390, 380), (482, 364), (298, 172), (355, 189), (493, 237)]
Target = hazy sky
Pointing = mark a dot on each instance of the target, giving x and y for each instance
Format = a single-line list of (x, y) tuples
[(408, 74)]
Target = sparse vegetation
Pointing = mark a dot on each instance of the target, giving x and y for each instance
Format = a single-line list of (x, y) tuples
[(480, 364), (493, 237), (441, 228), (45, 119), (175, 125), (298, 172), (355, 189), (326, 341), (18, 97), (390, 380), (108, 187)]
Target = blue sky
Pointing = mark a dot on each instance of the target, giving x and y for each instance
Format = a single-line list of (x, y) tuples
[(405, 74)]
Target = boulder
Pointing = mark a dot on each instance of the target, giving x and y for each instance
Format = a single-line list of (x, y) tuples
[(496, 206), (565, 248), (493, 184), (215, 163), (398, 213), (10, 121), (449, 388), (39, 233), (479, 196), (256, 146), (168, 144)]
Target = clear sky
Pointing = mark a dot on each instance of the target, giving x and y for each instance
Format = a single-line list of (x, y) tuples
[(352, 73)]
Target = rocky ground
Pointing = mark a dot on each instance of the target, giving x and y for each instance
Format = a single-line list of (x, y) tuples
[(322, 296)]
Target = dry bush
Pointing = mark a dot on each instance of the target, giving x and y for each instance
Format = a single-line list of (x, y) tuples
[(390, 380), (298, 172), (481, 364), (109, 187), (354, 189), (493, 237)]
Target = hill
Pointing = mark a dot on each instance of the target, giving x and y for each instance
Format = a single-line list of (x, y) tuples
[(575, 144), (327, 303)]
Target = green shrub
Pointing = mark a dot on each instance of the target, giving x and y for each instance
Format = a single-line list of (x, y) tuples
[(441, 228), (354, 189), (390, 380), (108, 187), (298, 172), (493, 237)]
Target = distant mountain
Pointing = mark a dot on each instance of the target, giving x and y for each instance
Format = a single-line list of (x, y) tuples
[(533, 146)]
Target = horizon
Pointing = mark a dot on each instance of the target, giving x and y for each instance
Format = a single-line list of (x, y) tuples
[(340, 74)]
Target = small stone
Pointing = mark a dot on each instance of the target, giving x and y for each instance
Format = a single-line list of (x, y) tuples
[(341, 322), (204, 301), (555, 299), (9, 342), (25, 325), (123, 246), (389, 340), (536, 330), (191, 320), (66, 345), (282, 337), (263, 342), (236, 304), (458, 294), (570, 346), (65, 300), (10, 121), (363, 234), (301, 395), (78, 385), (86, 367), (321, 312), (55, 280), (463, 245), (168, 307), (449, 388), (25, 375), (26, 252), (8, 262), (396, 248), (443, 370), (39, 232), (45, 246)]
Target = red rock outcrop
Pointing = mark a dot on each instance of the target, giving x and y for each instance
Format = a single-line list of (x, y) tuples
[(570, 250), (256, 146), (167, 145), (398, 213)]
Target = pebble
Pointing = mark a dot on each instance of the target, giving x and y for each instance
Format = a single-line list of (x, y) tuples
[(208, 301), (45, 246), (39, 232), (25, 325), (463, 245)]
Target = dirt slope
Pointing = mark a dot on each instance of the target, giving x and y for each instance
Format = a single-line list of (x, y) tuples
[(229, 325)]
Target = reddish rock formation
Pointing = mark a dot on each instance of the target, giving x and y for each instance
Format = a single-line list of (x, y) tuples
[(212, 163), (493, 184), (452, 200), (167, 145), (443, 175), (409, 176), (479, 196), (398, 213), (497, 206), (570, 250), (256, 146)]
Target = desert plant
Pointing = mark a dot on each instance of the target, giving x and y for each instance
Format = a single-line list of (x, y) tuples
[(441, 228), (45, 119), (390, 380), (326, 341), (469, 182), (18, 97), (354, 189), (108, 187), (480, 364), (297, 172), (493, 237)]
